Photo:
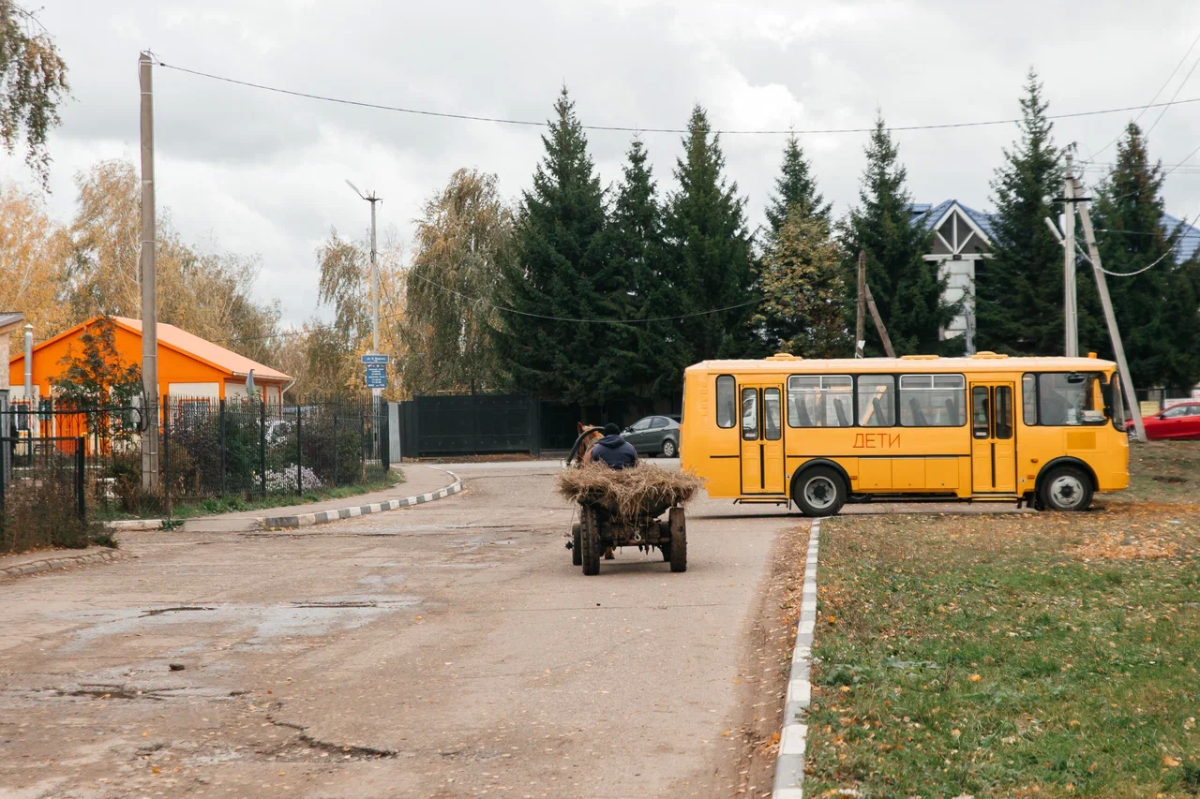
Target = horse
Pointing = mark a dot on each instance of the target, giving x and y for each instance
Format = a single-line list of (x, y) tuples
[(585, 443)]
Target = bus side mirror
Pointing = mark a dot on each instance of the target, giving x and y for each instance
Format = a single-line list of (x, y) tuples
[(1106, 391)]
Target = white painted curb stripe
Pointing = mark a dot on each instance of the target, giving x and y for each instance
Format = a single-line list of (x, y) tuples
[(320, 517), (789, 766)]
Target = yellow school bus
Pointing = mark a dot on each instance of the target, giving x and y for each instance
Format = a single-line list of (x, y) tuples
[(1046, 431)]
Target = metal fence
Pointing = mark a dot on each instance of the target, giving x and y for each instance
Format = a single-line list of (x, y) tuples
[(479, 424), (209, 448), (42, 493)]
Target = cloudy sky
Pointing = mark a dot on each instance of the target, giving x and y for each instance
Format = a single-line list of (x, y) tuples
[(263, 173)]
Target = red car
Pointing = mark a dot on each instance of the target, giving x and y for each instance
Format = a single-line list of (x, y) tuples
[(1179, 422)]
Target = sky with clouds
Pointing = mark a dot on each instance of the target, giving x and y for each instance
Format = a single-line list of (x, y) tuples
[(263, 173)]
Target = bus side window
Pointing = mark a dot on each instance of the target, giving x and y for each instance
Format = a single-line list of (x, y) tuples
[(726, 402), (876, 400), (820, 400), (979, 412), (1003, 411), (749, 414)]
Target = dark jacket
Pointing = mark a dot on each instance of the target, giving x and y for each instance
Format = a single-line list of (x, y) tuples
[(615, 451)]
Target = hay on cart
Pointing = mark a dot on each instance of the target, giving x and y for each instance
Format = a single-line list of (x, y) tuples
[(642, 490)]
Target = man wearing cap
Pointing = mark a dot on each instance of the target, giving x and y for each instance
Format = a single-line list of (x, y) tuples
[(612, 450)]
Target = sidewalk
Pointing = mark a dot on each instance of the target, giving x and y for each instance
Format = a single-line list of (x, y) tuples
[(420, 480)]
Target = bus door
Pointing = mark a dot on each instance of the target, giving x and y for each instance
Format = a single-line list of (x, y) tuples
[(762, 439), (993, 445)]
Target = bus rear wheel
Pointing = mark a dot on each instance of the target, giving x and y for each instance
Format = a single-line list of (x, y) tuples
[(819, 491), (1066, 488)]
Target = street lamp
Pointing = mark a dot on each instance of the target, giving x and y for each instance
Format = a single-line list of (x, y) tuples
[(372, 199)]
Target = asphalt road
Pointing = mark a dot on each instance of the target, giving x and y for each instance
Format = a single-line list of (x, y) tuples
[(445, 650)]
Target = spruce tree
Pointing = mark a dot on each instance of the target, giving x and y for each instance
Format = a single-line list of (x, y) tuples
[(1019, 290), (795, 188), (562, 338), (803, 284), (708, 252), (1156, 305), (636, 247), (906, 287)]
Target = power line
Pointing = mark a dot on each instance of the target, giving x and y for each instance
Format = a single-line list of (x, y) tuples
[(1182, 162), (639, 129), (1146, 268), (1161, 113), (584, 321), (505, 309), (1166, 83)]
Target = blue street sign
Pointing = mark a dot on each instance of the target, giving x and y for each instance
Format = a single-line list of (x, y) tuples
[(376, 377), (375, 360)]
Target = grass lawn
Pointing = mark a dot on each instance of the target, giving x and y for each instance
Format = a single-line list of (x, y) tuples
[(1038, 654), (239, 504), (1162, 471)]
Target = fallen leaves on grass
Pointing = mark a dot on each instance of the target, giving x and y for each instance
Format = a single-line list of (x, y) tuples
[(1116, 546)]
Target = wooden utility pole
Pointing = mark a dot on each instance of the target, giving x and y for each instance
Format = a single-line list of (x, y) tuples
[(879, 328), (860, 327), (149, 288), (1114, 333), (1070, 305)]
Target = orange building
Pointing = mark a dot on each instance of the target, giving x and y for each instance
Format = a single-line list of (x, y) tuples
[(188, 366)]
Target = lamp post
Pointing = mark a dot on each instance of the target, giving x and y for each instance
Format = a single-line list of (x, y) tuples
[(372, 199)]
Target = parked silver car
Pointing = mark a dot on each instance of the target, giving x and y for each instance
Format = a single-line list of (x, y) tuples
[(654, 435)]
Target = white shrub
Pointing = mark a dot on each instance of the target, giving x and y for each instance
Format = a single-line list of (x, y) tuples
[(285, 481)]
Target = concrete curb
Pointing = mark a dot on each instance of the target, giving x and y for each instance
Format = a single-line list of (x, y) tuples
[(299, 520), (61, 562), (134, 525), (789, 765), (324, 516)]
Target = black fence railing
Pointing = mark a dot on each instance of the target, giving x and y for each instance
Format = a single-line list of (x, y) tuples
[(480, 424), (209, 448), (42, 493)]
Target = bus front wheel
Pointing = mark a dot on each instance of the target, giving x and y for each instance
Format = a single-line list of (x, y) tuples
[(819, 491), (1066, 488)]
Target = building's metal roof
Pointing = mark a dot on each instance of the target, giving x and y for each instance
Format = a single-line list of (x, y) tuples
[(1189, 239), (928, 215), (204, 350), (182, 341), (10, 319)]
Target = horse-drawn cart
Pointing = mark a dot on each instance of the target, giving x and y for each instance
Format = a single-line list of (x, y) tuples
[(601, 527), (621, 508)]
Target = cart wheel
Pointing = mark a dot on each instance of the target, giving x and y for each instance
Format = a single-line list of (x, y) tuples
[(664, 535), (576, 546), (589, 550), (678, 553)]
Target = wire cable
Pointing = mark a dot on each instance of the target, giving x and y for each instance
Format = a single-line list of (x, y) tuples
[(585, 321), (1166, 83), (505, 309), (1146, 268), (638, 128), (1161, 113)]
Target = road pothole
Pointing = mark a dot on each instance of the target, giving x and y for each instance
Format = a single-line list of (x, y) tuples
[(179, 609)]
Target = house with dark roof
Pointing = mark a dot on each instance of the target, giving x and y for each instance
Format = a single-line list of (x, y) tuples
[(962, 238)]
